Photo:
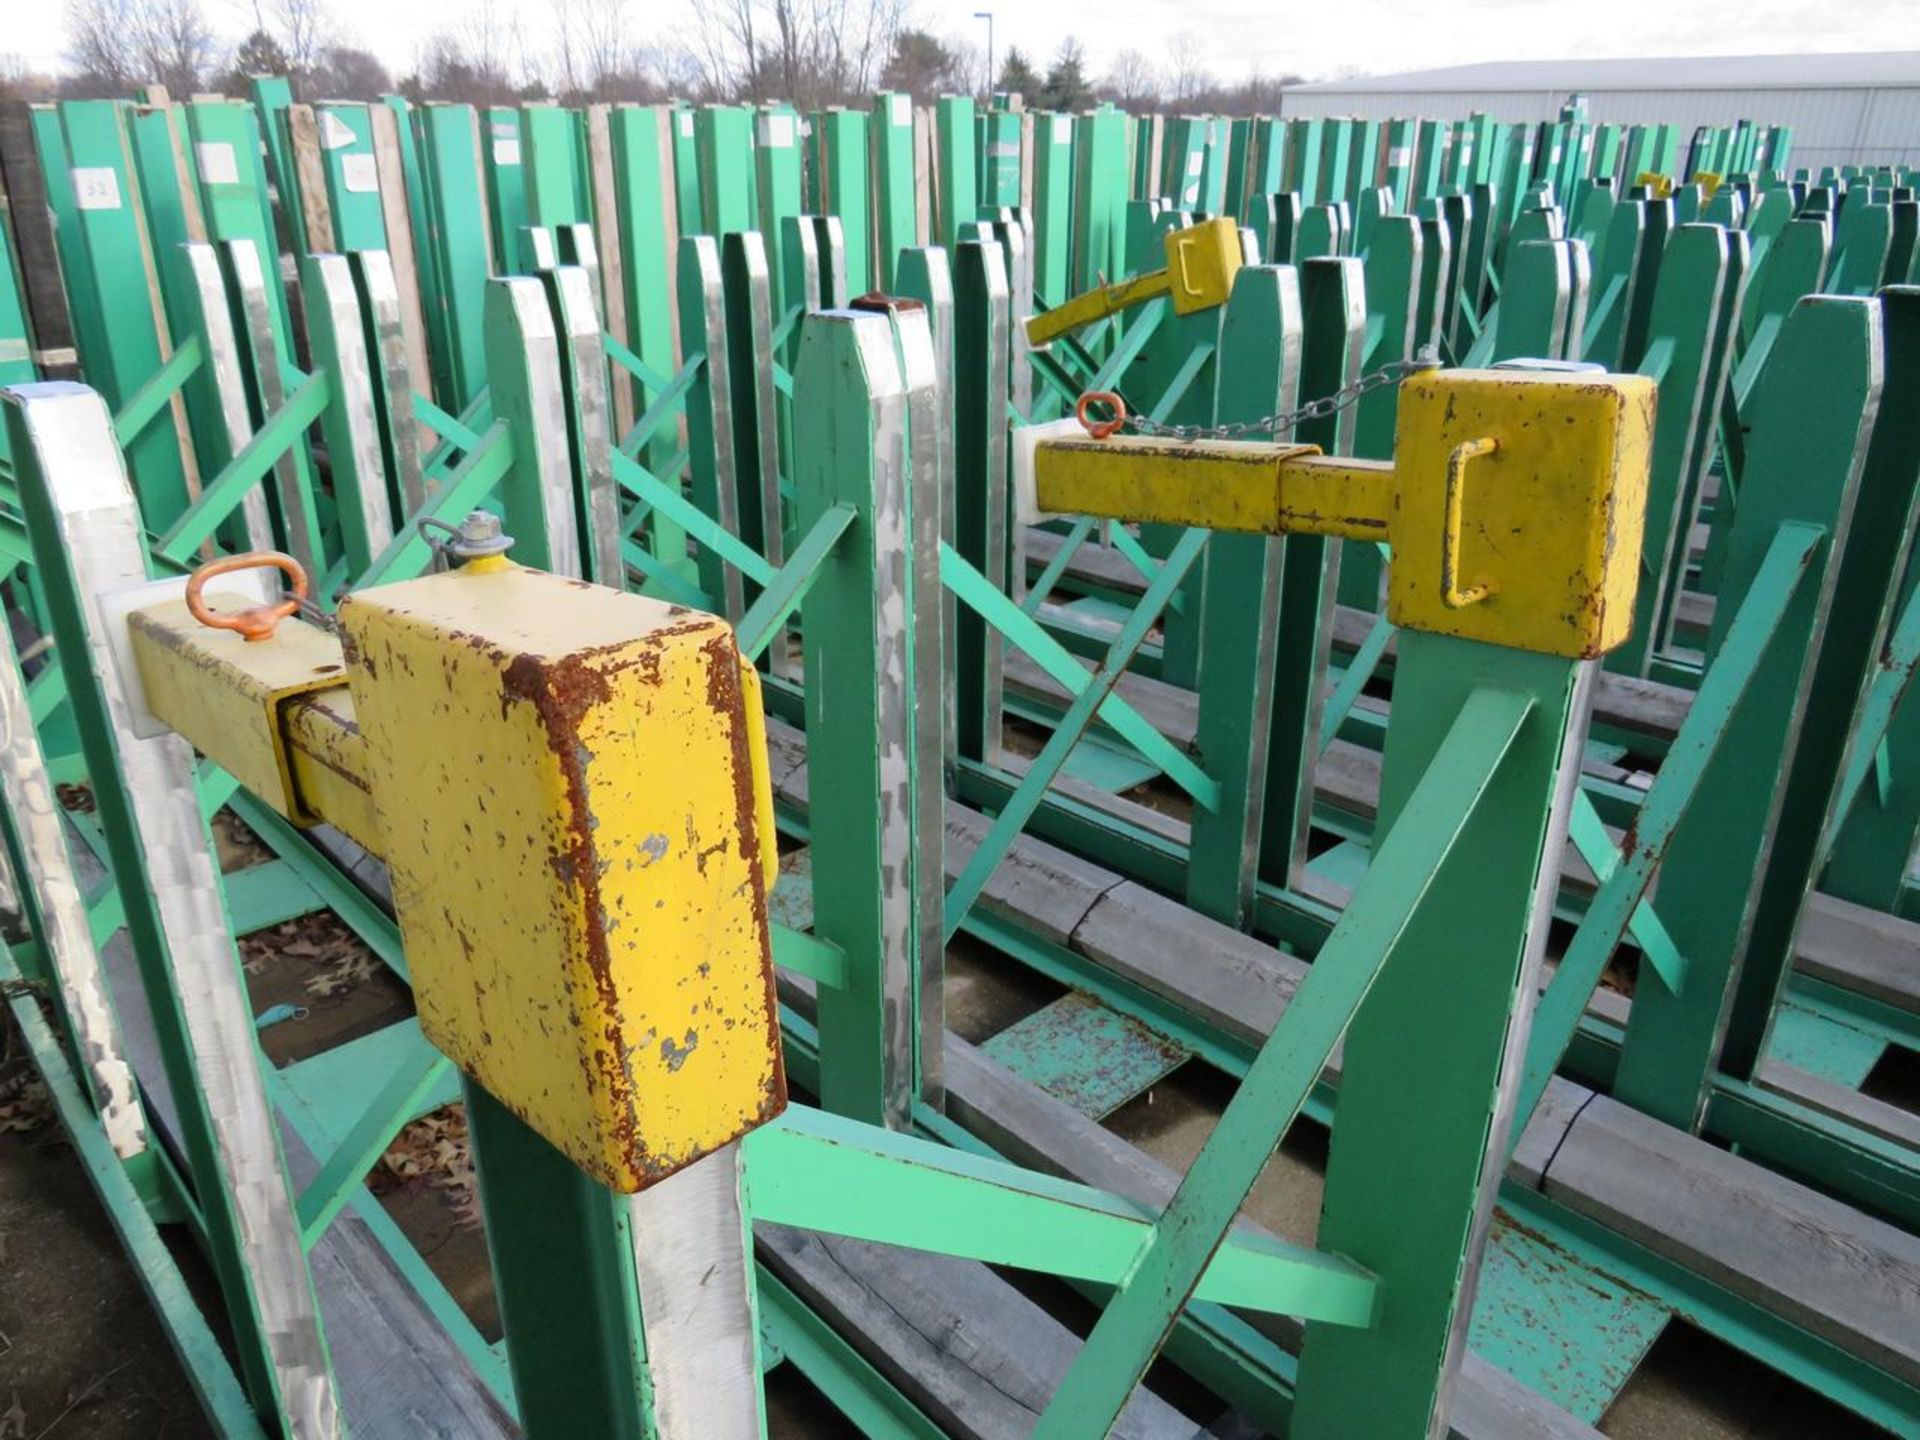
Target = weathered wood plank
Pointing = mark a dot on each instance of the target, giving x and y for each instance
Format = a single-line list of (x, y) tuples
[(1866, 951), (1032, 1128), (978, 1357), (1812, 1260)]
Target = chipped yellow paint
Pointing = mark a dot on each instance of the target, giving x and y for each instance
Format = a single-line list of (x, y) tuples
[(225, 694), (1551, 519), (329, 762), (565, 790), (1219, 484), (1202, 260), (1543, 550)]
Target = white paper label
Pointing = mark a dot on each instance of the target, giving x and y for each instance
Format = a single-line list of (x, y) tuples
[(686, 122), (359, 175), (506, 152), (776, 131), (902, 108), (335, 134), (1063, 129), (1398, 155), (218, 165), (506, 129), (96, 187), (12, 351), (1195, 162)]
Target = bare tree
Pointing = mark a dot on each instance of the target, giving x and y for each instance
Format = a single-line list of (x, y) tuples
[(117, 44), (179, 50), (1132, 83), (303, 28), (1187, 72), (811, 52)]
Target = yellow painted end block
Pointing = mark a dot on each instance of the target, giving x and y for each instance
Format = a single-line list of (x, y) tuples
[(1201, 263), (565, 789), (226, 695), (1550, 519)]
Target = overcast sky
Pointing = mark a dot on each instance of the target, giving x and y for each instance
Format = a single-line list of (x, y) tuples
[(1314, 39)]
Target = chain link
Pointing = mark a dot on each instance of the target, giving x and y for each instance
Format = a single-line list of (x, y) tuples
[(1271, 426)]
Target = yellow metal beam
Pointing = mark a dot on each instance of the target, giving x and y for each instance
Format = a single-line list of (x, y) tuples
[(569, 787), (1220, 485), (225, 693), (1513, 506), (1201, 263)]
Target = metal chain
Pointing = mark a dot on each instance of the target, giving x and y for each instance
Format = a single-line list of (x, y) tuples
[(1427, 358)]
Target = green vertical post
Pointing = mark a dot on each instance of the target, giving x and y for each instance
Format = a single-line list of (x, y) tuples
[(1053, 208), (1812, 421), (506, 185), (1213, 173), (1334, 324), (723, 136), (555, 166), (840, 140), (709, 411), (777, 166), (955, 190), (1398, 163), (999, 159), (1259, 375), (1869, 558), (1429, 162), (1336, 159), (1394, 1377), (1687, 303), (890, 133), (1393, 267), (1239, 167), (1183, 161), (1306, 147), (686, 173), (1099, 197), (352, 177), (272, 94), (851, 401), (982, 318), (106, 264), (87, 537), (1267, 167), (455, 235)]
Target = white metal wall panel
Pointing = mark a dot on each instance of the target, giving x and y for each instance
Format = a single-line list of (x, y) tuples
[(1831, 125)]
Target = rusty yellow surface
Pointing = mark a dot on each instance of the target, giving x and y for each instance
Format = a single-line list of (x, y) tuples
[(329, 761), (1541, 550), (1201, 263), (225, 695), (564, 786), (1220, 484), (1551, 518)]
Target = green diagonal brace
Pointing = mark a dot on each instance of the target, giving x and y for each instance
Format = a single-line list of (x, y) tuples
[(1136, 1322)]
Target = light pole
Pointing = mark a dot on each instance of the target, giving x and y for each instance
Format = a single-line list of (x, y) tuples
[(987, 15)]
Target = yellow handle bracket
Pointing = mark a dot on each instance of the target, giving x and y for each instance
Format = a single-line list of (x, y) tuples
[(1452, 595)]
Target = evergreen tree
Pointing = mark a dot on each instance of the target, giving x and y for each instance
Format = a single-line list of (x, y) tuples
[(1018, 77), (1066, 86)]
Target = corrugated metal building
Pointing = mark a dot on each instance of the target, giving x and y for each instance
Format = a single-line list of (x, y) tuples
[(1861, 109)]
